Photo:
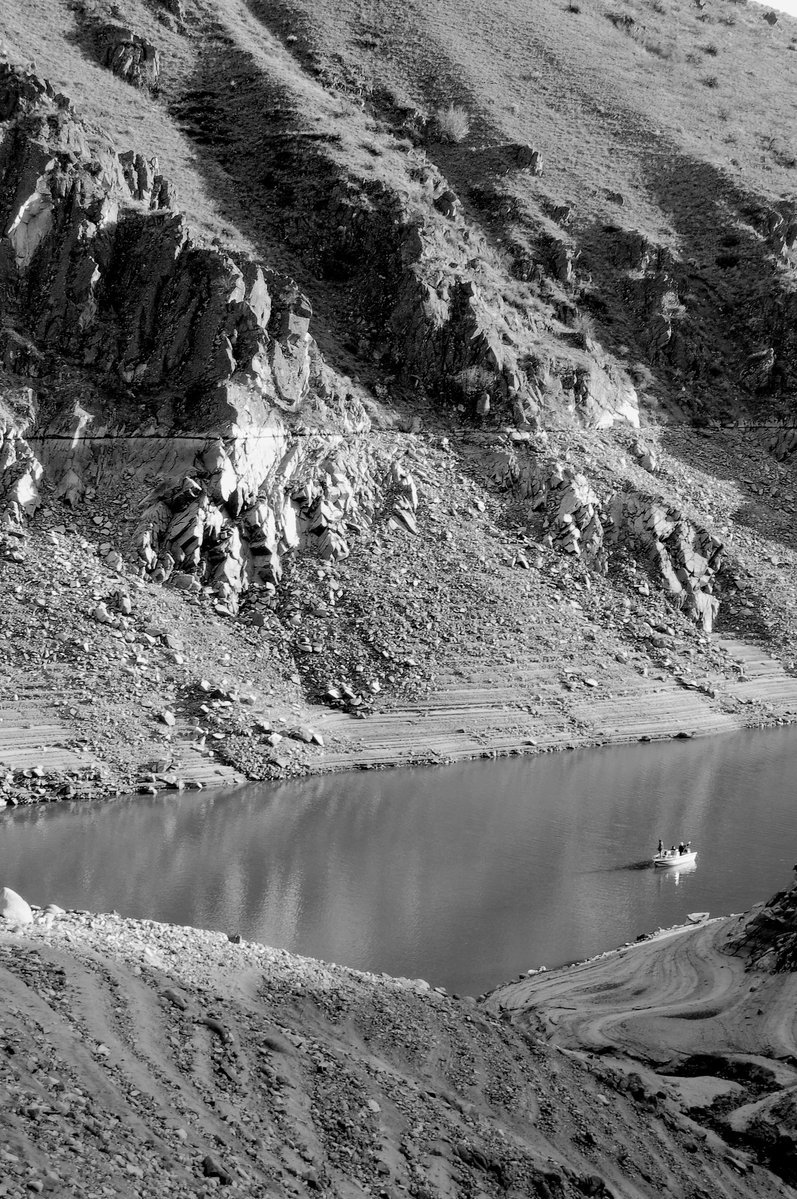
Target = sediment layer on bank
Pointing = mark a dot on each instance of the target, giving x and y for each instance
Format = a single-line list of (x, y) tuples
[(703, 1013)]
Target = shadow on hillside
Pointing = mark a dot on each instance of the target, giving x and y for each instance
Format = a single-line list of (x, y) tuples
[(263, 162), (696, 325), (734, 291), (732, 279)]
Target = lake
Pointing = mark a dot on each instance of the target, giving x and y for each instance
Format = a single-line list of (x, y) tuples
[(463, 875)]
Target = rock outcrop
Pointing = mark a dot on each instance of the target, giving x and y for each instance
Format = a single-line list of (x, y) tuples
[(769, 938), (203, 367), (679, 556), (20, 469), (676, 555), (109, 279), (128, 55)]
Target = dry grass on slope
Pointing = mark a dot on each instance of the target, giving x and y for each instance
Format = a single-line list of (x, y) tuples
[(597, 87), (46, 34), (591, 85)]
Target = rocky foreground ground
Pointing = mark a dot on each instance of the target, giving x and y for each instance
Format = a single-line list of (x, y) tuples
[(140, 1059)]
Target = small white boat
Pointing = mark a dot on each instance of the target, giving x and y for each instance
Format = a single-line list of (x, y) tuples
[(669, 858)]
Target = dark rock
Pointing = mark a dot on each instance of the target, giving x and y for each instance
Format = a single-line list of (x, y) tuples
[(526, 158), (593, 1184), (128, 55), (216, 1026), (447, 203), (212, 1169)]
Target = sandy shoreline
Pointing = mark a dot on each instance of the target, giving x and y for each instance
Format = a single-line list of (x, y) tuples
[(681, 991), (606, 955)]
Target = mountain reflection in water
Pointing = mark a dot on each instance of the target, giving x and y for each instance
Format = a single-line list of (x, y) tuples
[(463, 875)]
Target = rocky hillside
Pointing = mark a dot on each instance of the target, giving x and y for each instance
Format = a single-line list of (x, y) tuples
[(335, 386), (140, 1059)]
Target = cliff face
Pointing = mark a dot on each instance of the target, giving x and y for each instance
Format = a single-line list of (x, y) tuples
[(183, 350), (103, 273), (215, 355)]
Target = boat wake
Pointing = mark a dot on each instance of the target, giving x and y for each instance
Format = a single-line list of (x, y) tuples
[(642, 864)]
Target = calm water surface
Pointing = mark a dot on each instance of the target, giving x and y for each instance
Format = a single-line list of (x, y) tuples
[(464, 875)]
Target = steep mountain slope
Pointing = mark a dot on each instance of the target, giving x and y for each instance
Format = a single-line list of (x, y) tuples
[(439, 363)]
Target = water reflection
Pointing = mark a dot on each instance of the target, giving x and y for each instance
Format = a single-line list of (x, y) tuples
[(675, 874), (465, 875)]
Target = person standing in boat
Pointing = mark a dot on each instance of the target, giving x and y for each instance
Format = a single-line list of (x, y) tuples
[(660, 849), (681, 847)]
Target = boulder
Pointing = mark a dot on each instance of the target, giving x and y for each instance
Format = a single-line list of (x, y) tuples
[(526, 158), (13, 908), (129, 56), (646, 456), (447, 203)]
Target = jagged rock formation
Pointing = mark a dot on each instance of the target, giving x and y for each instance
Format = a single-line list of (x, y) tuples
[(128, 55), (464, 302), (20, 469), (106, 275), (678, 556), (769, 938), (681, 558)]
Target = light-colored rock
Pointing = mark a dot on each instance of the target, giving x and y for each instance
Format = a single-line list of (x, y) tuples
[(13, 908)]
